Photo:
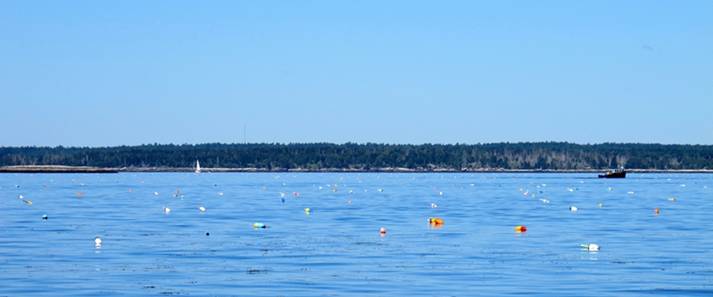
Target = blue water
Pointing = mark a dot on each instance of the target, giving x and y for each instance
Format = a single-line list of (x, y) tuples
[(336, 249)]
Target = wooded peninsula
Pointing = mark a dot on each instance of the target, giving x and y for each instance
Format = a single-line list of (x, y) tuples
[(530, 156)]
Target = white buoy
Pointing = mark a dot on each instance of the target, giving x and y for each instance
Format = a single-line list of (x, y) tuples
[(600, 205), (97, 242), (433, 205), (201, 208), (573, 208), (155, 193), (166, 210), (592, 247)]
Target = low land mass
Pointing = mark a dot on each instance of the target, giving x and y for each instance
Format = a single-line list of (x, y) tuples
[(352, 157)]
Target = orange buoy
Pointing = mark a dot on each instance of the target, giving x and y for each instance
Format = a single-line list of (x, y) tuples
[(435, 221), (520, 228), (657, 211)]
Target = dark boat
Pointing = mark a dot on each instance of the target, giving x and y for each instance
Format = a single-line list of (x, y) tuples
[(620, 173)]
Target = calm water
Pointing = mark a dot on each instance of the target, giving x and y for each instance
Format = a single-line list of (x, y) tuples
[(337, 248)]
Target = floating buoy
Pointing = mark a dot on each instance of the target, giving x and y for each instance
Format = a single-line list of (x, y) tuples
[(166, 210), (435, 221), (657, 211), (258, 225), (573, 208), (220, 193), (520, 229), (433, 205), (600, 205), (592, 247), (380, 190), (440, 193), (155, 193), (307, 210), (201, 208), (45, 217), (97, 242), (382, 231)]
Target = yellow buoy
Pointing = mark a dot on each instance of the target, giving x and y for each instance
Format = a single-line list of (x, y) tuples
[(435, 221)]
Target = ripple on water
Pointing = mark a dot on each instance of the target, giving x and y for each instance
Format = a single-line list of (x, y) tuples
[(337, 249)]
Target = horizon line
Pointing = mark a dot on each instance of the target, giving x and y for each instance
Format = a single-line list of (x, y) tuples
[(356, 143)]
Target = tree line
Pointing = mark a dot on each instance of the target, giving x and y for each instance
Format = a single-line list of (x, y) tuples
[(370, 156)]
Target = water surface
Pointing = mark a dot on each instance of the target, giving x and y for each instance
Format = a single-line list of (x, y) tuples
[(336, 249)]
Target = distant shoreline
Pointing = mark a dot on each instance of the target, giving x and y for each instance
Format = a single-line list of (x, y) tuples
[(86, 169), (56, 169)]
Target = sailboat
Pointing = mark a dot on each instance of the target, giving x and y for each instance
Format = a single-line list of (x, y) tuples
[(198, 167)]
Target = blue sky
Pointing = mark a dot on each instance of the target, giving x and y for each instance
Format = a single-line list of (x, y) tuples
[(95, 73)]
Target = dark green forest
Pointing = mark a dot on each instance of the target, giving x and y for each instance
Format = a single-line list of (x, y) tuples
[(371, 156)]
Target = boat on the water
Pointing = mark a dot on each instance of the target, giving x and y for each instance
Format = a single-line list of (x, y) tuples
[(198, 167), (619, 173)]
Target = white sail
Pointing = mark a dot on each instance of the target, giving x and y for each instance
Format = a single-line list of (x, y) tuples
[(198, 167)]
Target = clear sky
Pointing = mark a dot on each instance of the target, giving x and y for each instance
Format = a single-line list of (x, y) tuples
[(101, 73)]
